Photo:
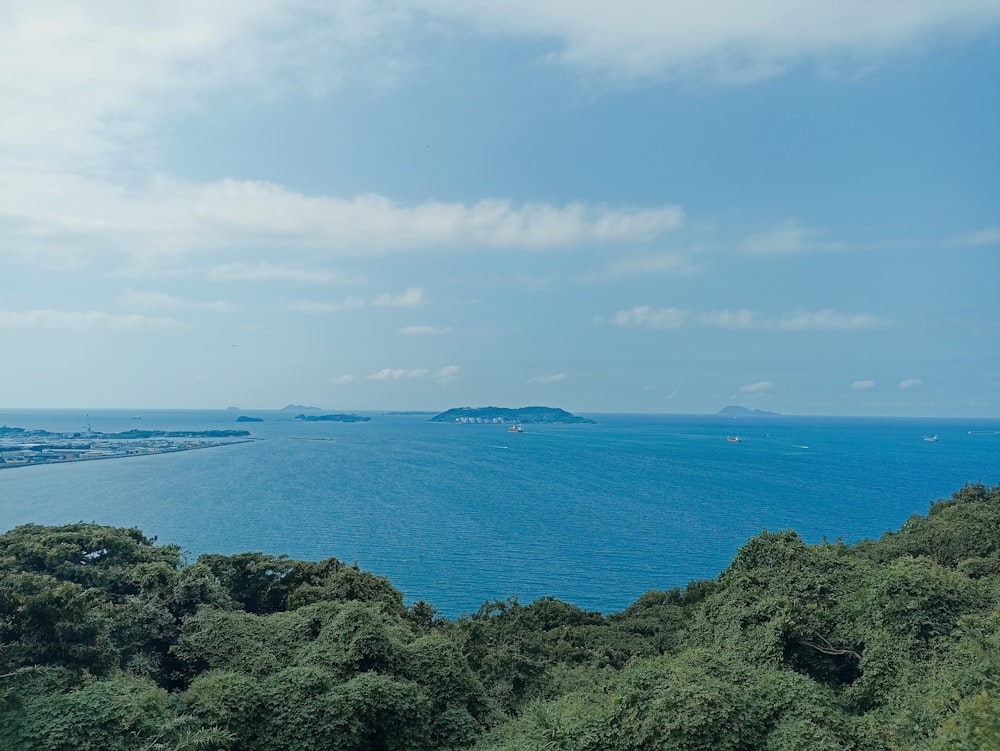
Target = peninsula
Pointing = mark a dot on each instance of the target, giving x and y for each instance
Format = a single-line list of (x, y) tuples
[(503, 415), (20, 447)]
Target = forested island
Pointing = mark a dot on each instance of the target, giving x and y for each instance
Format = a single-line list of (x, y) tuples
[(110, 641), (526, 415), (332, 418)]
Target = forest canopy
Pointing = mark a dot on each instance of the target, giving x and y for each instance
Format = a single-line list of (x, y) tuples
[(111, 641)]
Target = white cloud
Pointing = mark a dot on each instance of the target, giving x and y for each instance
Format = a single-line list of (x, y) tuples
[(425, 330), (726, 41), (760, 387), (169, 217), (75, 321), (727, 319), (447, 374), (91, 81), (826, 320), (983, 237), (317, 306), (787, 237), (553, 378), (648, 317), (268, 272), (346, 378), (668, 263), (397, 374), (161, 301), (645, 316), (862, 385), (910, 383), (410, 298)]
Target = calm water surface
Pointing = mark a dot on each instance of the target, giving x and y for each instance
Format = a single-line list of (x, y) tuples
[(460, 514)]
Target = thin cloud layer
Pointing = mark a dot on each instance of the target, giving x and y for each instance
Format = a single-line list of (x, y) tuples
[(760, 387), (667, 264), (425, 330), (788, 237), (88, 82), (173, 217), (645, 316), (161, 301), (447, 374), (723, 41), (410, 298), (80, 321), (980, 238), (271, 272), (548, 378)]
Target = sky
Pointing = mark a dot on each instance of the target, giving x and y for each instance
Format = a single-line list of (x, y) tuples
[(639, 206)]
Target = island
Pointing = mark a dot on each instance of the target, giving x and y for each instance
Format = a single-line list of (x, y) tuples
[(20, 447), (332, 418), (735, 410), (247, 418), (503, 415)]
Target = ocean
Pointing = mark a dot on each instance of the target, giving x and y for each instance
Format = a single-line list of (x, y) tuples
[(458, 515)]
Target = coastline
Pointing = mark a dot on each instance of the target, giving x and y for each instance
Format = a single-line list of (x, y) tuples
[(33, 456)]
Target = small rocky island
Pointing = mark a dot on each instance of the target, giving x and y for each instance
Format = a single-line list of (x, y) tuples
[(332, 418), (503, 415), (247, 418), (734, 410)]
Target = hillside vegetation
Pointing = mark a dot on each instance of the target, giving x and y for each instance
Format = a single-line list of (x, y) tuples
[(110, 642)]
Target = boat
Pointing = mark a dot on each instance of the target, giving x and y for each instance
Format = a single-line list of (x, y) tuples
[(515, 428), (733, 438), (931, 438)]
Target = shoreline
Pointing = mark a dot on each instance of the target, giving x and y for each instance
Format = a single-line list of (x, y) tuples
[(123, 451)]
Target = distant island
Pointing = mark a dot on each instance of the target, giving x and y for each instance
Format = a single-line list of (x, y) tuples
[(132, 434), (332, 418), (734, 410), (501, 415), (247, 418), (299, 408)]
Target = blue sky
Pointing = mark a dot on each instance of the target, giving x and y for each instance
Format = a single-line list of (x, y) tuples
[(639, 206)]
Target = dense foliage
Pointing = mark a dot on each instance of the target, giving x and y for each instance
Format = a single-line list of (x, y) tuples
[(110, 642)]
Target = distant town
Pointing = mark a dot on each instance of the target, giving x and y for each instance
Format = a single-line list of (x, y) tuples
[(20, 447)]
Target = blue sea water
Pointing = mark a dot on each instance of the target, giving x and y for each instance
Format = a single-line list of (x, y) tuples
[(461, 514)]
